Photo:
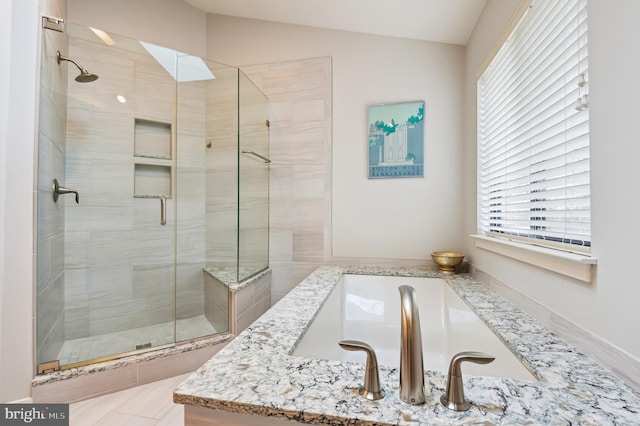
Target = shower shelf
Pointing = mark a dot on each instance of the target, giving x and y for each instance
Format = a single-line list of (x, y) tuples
[(152, 157), (152, 139), (168, 197), (157, 161), (152, 180)]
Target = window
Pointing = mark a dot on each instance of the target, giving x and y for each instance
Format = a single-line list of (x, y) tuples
[(533, 131)]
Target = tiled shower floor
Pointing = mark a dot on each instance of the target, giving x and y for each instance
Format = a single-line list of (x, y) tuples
[(88, 348)]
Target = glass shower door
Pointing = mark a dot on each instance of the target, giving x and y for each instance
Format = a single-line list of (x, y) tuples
[(106, 257), (253, 192), (205, 186)]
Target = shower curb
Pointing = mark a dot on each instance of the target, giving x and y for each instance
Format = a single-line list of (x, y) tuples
[(79, 383)]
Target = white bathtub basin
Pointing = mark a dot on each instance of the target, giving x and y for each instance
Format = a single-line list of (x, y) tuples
[(367, 308)]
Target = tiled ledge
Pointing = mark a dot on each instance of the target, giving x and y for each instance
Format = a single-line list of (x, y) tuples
[(228, 277)]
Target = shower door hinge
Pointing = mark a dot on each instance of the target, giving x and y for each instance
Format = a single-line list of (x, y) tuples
[(52, 23), (268, 123), (48, 367)]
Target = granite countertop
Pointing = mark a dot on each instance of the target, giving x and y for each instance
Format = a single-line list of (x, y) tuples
[(255, 374)]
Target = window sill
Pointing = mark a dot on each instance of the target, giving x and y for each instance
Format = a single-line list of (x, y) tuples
[(569, 264)]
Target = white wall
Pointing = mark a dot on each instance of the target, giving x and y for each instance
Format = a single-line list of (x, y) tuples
[(384, 218), (5, 83), (5, 70), (607, 308), (17, 115), (169, 23)]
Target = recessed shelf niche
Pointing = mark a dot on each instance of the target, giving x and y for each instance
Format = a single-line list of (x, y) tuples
[(152, 148), (152, 139), (152, 181)]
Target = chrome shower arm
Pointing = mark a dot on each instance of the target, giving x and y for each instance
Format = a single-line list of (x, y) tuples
[(64, 58), (85, 76)]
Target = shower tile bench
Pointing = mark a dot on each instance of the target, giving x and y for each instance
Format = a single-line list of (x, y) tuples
[(248, 299), (254, 380)]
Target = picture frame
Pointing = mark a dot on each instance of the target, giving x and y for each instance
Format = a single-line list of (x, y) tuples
[(396, 140)]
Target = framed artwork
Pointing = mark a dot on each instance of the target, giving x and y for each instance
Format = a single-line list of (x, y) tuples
[(396, 140)]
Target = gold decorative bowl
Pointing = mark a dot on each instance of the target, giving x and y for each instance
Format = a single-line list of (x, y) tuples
[(447, 260)]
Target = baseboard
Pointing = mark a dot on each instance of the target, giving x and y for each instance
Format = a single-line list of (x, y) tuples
[(22, 401)]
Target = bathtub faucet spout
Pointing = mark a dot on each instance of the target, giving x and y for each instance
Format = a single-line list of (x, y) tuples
[(411, 366)]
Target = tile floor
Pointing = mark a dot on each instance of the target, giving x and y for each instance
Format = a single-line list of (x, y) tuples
[(150, 404), (87, 348)]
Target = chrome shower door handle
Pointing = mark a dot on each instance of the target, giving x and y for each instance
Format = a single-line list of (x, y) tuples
[(255, 154), (163, 210)]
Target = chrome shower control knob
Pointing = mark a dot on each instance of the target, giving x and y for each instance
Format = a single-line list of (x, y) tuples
[(453, 396), (371, 388)]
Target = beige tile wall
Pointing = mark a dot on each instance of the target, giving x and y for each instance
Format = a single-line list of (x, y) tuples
[(216, 305), (123, 276), (300, 172), (191, 206), (253, 207), (222, 168), (236, 222), (120, 259), (250, 302)]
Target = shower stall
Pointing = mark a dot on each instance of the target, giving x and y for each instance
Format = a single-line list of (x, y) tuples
[(152, 196)]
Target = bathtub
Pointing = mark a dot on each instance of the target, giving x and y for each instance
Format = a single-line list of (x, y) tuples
[(367, 308)]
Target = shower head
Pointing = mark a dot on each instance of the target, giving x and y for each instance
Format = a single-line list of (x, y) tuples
[(85, 76)]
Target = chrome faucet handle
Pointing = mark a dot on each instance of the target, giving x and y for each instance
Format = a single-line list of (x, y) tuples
[(371, 388), (453, 396)]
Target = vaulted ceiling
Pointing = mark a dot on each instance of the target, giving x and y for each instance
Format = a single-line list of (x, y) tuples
[(445, 21)]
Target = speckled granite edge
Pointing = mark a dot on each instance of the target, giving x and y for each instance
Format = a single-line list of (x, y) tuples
[(125, 361), (255, 374), (228, 277)]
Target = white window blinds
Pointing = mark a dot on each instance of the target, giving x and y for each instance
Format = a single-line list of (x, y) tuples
[(533, 131)]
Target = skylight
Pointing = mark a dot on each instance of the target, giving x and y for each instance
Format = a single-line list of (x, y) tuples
[(191, 68)]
